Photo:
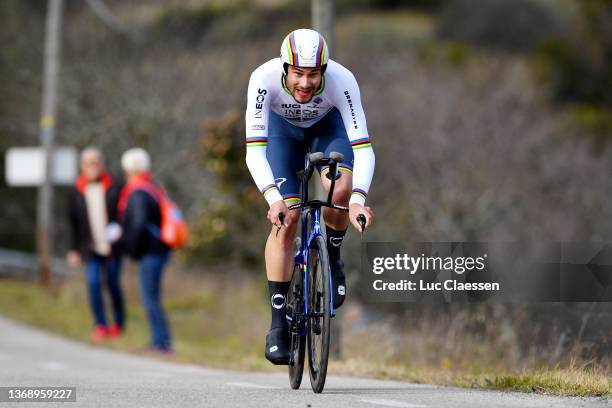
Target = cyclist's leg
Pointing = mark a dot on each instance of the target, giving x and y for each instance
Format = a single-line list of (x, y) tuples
[(285, 154)]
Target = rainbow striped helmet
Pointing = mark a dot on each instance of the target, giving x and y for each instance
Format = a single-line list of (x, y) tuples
[(304, 48)]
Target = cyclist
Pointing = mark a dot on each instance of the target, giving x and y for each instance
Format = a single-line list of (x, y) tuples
[(301, 102)]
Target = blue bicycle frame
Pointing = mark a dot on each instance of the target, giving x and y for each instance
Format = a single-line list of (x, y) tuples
[(311, 216)]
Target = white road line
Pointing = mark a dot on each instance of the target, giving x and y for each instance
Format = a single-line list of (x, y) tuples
[(249, 385), (52, 365), (392, 403)]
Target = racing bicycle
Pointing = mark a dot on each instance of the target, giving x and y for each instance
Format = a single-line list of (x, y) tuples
[(310, 298)]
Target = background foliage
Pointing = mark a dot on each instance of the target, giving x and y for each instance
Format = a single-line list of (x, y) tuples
[(490, 119)]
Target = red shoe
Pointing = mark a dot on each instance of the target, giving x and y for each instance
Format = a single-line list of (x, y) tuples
[(99, 333), (115, 330)]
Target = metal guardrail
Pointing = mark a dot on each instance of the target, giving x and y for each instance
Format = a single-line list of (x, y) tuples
[(25, 265)]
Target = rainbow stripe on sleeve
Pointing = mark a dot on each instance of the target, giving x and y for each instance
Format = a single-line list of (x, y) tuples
[(360, 192), (292, 198), (256, 141), (361, 143), (269, 188)]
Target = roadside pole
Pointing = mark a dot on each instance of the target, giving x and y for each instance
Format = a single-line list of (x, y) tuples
[(44, 224), (323, 20)]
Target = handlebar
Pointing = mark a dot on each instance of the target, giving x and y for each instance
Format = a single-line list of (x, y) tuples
[(315, 158), (361, 219), (281, 218), (337, 157)]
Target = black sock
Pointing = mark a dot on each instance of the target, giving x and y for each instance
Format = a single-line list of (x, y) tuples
[(334, 242), (278, 303)]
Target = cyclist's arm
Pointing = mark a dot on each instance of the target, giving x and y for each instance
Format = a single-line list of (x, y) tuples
[(257, 113), (348, 101)]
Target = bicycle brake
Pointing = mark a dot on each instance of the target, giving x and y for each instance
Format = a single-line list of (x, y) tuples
[(361, 219), (281, 218)]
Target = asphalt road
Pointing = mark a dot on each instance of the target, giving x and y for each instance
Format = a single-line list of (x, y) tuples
[(104, 378)]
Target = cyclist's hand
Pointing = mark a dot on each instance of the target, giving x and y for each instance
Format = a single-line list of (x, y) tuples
[(73, 258), (274, 211), (354, 211)]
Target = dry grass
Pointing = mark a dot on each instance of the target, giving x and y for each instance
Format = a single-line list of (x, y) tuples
[(448, 351), (575, 381), (580, 381)]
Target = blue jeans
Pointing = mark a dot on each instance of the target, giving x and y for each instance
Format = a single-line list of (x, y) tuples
[(94, 267), (150, 270)]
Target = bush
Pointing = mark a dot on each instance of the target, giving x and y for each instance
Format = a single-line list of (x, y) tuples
[(580, 67), (514, 25), (232, 224)]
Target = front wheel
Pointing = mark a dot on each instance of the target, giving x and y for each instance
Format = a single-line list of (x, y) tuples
[(295, 306), (319, 305)]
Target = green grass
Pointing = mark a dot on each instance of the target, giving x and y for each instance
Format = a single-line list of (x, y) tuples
[(220, 321), (573, 381), (209, 327)]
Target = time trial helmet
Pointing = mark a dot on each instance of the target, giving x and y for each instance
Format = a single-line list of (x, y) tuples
[(304, 48)]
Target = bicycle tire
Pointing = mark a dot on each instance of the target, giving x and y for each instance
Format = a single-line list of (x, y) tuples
[(319, 303), (296, 369)]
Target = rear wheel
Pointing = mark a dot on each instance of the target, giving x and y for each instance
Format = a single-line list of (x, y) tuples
[(295, 306), (319, 300)]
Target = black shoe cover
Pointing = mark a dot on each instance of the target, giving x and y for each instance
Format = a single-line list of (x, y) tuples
[(338, 282), (278, 345)]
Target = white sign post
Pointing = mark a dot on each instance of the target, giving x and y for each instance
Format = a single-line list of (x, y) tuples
[(25, 166)]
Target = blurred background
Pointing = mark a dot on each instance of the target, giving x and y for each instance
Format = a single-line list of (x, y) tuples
[(491, 121)]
